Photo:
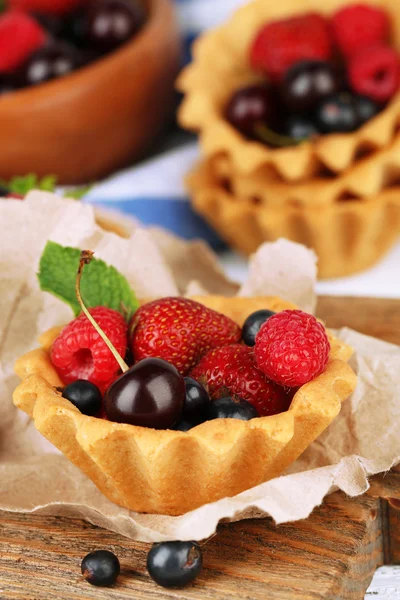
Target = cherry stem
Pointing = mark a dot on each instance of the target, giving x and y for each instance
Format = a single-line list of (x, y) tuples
[(86, 257)]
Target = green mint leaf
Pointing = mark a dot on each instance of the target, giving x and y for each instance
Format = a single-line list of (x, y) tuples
[(48, 183), (101, 285), (78, 193)]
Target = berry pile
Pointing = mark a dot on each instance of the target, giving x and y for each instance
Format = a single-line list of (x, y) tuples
[(322, 76), (41, 40), (187, 364)]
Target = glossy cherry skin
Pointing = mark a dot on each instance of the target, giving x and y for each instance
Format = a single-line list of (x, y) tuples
[(110, 23), (307, 83), (250, 106), (149, 394), (54, 60)]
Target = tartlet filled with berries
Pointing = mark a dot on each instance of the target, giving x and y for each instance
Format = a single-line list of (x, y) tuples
[(176, 402), (297, 108)]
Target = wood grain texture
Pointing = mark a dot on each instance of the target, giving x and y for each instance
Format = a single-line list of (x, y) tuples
[(332, 555)]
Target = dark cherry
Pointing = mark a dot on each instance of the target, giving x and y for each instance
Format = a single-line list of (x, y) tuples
[(54, 60), (307, 83), (300, 127), (100, 568), (149, 394), (174, 564), (110, 23), (337, 114), (227, 408), (52, 23), (366, 109), (253, 324), (250, 106), (196, 401), (85, 396)]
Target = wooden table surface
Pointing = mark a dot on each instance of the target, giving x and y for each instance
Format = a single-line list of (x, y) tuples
[(331, 555)]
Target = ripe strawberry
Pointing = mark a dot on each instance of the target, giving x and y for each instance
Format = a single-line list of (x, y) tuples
[(357, 26), (179, 331), (80, 353), (20, 36), (375, 72), (51, 7), (281, 44), (292, 348), (232, 370)]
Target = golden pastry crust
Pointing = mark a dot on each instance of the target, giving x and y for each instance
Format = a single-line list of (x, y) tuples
[(172, 472), (221, 65), (347, 236)]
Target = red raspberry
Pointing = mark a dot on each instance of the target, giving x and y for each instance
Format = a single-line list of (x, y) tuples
[(292, 348), (375, 72), (80, 353), (359, 25), (51, 7), (231, 370), (180, 331), (20, 36), (281, 44)]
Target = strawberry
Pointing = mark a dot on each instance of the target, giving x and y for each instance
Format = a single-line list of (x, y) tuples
[(281, 44), (51, 7), (232, 370), (179, 331), (20, 36)]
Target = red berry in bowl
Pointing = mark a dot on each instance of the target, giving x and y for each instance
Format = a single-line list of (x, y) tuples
[(358, 26), (251, 106), (20, 36), (375, 72), (110, 23), (307, 83), (292, 348), (281, 44), (53, 60)]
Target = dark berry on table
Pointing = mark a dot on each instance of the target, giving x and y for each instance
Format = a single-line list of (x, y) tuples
[(252, 325), (300, 128), (251, 106), (110, 23), (54, 60), (100, 568), (228, 408), (149, 394), (196, 401), (174, 564), (366, 109), (337, 114), (307, 83), (85, 396)]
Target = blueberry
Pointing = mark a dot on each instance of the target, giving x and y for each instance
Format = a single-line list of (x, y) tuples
[(307, 83), (227, 408), (84, 395), (56, 59), (366, 109), (100, 568), (253, 324), (196, 401), (300, 128), (337, 114), (174, 564)]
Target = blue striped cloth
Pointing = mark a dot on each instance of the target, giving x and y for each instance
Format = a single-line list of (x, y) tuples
[(153, 191)]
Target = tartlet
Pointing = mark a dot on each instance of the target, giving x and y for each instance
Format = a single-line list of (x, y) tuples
[(172, 472)]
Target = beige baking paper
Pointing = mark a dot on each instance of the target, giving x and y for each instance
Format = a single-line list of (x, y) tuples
[(35, 477)]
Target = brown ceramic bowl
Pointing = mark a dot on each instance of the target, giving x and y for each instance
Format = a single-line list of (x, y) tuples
[(99, 118)]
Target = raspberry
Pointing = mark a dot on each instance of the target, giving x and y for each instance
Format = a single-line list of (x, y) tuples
[(20, 36), (180, 331), (80, 353), (281, 44), (51, 7), (375, 72), (232, 370), (359, 25), (292, 348)]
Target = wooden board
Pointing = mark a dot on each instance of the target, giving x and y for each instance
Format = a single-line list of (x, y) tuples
[(332, 555)]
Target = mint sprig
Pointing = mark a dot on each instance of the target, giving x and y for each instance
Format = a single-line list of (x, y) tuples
[(22, 184), (102, 284)]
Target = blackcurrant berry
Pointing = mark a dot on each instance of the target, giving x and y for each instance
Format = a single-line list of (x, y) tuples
[(253, 324), (337, 114), (196, 401), (110, 23), (100, 568), (366, 109), (54, 60), (300, 127), (227, 408), (307, 83), (85, 396), (174, 564)]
